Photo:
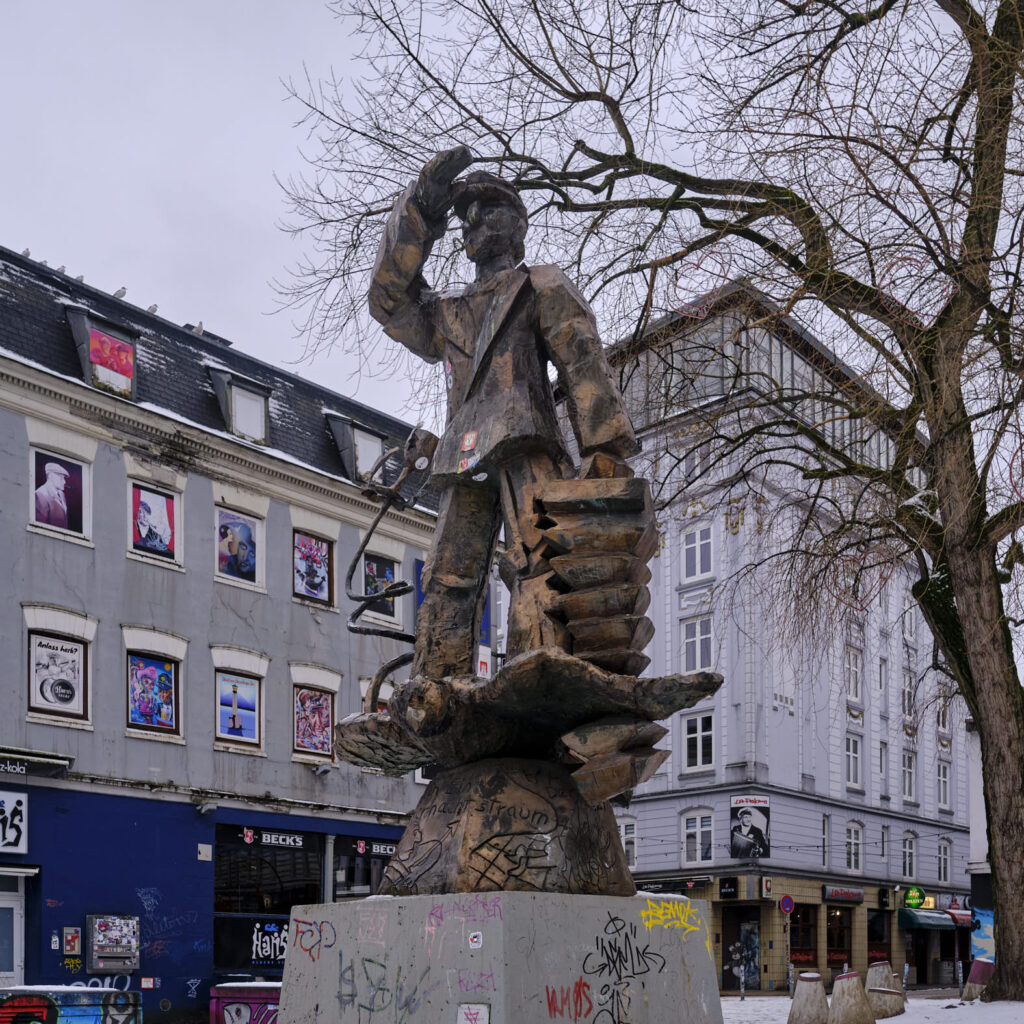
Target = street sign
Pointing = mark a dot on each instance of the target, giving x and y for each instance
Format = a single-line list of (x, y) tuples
[(914, 897), (786, 904)]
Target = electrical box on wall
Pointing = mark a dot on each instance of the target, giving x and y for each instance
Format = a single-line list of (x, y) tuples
[(111, 944)]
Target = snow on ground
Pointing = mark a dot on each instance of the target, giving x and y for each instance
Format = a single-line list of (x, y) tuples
[(920, 1010)]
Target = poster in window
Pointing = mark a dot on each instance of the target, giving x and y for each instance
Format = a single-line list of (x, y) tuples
[(152, 693), (749, 827), (238, 540), (57, 675), (379, 573), (152, 522), (312, 568), (59, 488), (112, 361), (313, 713), (13, 822), (238, 708)]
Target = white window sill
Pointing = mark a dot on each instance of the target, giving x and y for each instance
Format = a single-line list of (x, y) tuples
[(376, 619), (164, 563), (156, 737), (58, 534), (316, 605), (238, 748), (42, 718), (230, 581), (307, 757)]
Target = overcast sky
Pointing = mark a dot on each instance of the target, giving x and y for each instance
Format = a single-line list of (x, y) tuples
[(141, 142)]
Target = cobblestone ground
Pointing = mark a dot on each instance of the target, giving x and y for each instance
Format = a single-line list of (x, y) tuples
[(920, 1010)]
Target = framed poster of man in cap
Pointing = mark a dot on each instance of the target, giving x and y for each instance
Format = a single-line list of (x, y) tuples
[(749, 827), (59, 486)]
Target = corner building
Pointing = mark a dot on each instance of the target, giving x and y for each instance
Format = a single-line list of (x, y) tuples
[(176, 524), (833, 778)]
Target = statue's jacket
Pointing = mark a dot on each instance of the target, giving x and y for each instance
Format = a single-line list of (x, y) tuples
[(496, 338)]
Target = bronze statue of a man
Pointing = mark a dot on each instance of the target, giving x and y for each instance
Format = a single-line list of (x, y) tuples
[(501, 443)]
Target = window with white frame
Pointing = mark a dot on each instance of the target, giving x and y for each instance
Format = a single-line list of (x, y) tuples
[(942, 715), (825, 821), (698, 732), (909, 617), (696, 553), (696, 644), (853, 775), (697, 833), (943, 860), (883, 685), (854, 845), (248, 413), (909, 693), (369, 448), (628, 836), (884, 846), (909, 775), (883, 764), (853, 670), (909, 854), (942, 783)]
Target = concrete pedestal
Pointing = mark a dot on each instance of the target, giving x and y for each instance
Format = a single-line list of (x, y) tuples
[(501, 958)]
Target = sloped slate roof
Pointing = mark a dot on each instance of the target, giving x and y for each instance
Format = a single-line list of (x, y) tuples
[(173, 363)]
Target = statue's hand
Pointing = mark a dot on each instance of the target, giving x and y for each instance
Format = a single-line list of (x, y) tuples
[(434, 188)]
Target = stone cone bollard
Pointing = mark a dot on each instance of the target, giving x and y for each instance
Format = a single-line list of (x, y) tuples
[(884, 996), (849, 1001), (879, 975), (978, 977), (809, 1003), (897, 983)]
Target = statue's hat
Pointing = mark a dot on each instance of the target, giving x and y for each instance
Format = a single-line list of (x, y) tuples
[(482, 185)]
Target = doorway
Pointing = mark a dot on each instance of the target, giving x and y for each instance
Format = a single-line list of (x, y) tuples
[(12, 931), (741, 947)]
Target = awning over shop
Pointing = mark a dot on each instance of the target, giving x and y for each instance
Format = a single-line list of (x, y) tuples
[(961, 918), (937, 919)]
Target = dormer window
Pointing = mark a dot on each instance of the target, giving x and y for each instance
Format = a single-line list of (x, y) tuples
[(369, 448), (358, 447), (248, 413), (243, 403), (106, 352)]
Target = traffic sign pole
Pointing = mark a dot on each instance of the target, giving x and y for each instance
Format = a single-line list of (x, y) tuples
[(786, 906)]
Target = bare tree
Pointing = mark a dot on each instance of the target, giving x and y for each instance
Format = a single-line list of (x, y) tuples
[(860, 164)]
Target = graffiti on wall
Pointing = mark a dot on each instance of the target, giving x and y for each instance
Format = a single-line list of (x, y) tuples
[(113, 1007)]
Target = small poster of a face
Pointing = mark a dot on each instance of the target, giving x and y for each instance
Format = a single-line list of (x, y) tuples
[(58, 484), (113, 362), (311, 561), (749, 827), (57, 675), (152, 693), (238, 708), (238, 539), (313, 713), (152, 522), (379, 573)]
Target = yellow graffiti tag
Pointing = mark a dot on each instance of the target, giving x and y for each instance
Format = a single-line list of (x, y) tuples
[(672, 914)]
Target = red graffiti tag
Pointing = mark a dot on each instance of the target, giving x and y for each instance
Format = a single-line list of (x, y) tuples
[(28, 1010), (570, 1001)]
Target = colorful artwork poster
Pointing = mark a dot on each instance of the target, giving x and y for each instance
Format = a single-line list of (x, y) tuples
[(57, 675), (152, 522), (113, 362), (152, 693), (238, 708), (379, 573), (13, 822), (314, 710), (749, 827), (59, 492), (238, 539), (312, 567)]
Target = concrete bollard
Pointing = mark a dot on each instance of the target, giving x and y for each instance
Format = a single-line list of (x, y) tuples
[(897, 983), (809, 1003), (978, 977), (886, 1002), (879, 975), (849, 1002)]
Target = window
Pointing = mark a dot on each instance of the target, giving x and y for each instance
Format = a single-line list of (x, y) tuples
[(942, 715), (697, 836), (883, 685), (378, 574), (239, 547), (697, 553), (942, 783), (153, 523), (111, 362), (61, 497), (853, 777), (369, 448), (909, 617), (696, 462), (883, 764), (697, 644), (852, 670), (824, 840), (854, 837), (312, 568), (879, 935), (153, 694), (313, 702), (803, 935), (239, 708), (909, 854), (943, 863), (909, 773), (58, 676), (838, 935), (699, 733), (884, 844), (628, 836), (909, 695), (248, 414)]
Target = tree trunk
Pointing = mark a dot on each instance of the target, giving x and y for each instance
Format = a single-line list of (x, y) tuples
[(999, 712)]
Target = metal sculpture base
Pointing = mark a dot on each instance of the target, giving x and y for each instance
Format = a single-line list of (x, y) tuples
[(501, 958), (508, 824)]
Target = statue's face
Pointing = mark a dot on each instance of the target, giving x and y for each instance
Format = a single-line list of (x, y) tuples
[(489, 230)]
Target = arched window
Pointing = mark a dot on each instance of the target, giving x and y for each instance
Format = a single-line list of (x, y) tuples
[(697, 830)]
